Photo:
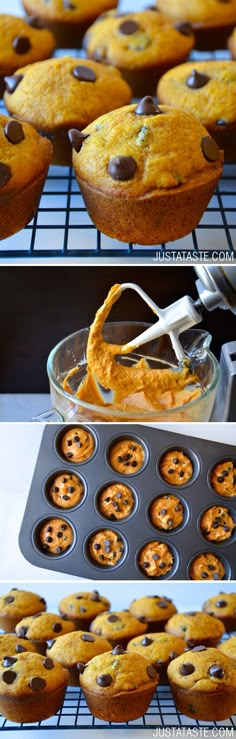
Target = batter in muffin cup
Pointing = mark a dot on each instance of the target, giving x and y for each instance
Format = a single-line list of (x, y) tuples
[(206, 566), (56, 536), (176, 468), (166, 512), (116, 501), (106, 547), (155, 559), (127, 456), (66, 490), (223, 479), (77, 445), (217, 524)]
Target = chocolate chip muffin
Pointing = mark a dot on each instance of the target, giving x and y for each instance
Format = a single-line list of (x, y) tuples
[(116, 501), (166, 512), (22, 43), (176, 468), (203, 683), (32, 688), (118, 627), (217, 524), (196, 628), (155, 609), (228, 647), (24, 160), (66, 491), (211, 20), (159, 650), (223, 479), (206, 566), (205, 89), (223, 607), (56, 536), (58, 94), (82, 607), (151, 181), (106, 547), (10, 645), (43, 627), (127, 456), (142, 45), (16, 604), (74, 651), (67, 19), (77, 445), (155, 559), (118, 686)]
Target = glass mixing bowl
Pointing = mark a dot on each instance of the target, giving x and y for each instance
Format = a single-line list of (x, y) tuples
[(71, 352)]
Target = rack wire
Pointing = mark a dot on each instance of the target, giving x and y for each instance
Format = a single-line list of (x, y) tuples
[(63, 228)]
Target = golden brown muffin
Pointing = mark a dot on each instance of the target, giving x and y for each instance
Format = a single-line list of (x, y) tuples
[(205, 89), (67, 490), (16, 604), (116, 501), (155, 559), (10, 644), (176, 468), (118, 686), (106, 547), (196, 628), (211, 20), (43, 627), (146, 172), (223, 607), (127, 456), (166, 512), (231, 43), (82, 607), (118, 627), (228, 647), (223, 479), (156, 610), (68, 19), (206, 566), (56, 536), (77, 445), (57, 94), (24, 160), (216, 524), (159, 650), (32, 688), (141, 45), (203, 683), (22, 43), (73, 651)]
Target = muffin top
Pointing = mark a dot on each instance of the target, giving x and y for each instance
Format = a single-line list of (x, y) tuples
[(117, 672), (221, 605), (203, 11), (136, 40), (80, 646), (23, 154), (43, 626), (153, 607), (143, 148), (67, 10), (158, 648), (194, 625), (205, 89), (18, 603), (10, 644), (60, 92), (28, 673), (117, 623), (229, 647), (21, 43), (204, 669), (83, 605)]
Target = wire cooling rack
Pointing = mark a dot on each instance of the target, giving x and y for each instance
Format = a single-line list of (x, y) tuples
[(63, 228)]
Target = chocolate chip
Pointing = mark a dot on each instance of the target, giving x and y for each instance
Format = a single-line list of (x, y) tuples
[(177, 508), (5, 174), (181, 473), (50, 645), (175, 460), (186, 669), (95, 596), (210, 149), (9, 661), (97, 546), (33, 21), (76, 138), (68, 5), (59, 535), (221, 603), (162, 604), (183, 27), (48, 663), (82, 609), (134, 463), (112, 618), (215, 576), (87, 637), (225, 473), (22, 631), (210, 567), (55, 490), (162, 566), (146, 641), (69, 455), (37, 683), (122, 168), (196, 80), (9, 676), (216, 671), (84, 74), (20, 648), (57, 627), (12, 82), (147, 106), (21, 44), (104, 680), (173, 655), (118, 650), (163, 511), (14, 132), (220, 478), (155, 557), (170, 471), (49, 529), (101, 557), (9, 599), (146, 565), (80, 667), (170, 522), (70, 489), (200, 648), (226, 528), (64, 497), (63, 527), (49, 539), (151, 672), (128, 27), (190, 613), (58, 550)]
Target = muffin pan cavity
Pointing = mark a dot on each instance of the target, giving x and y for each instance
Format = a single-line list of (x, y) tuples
[(76, 444), (178, 466), (216, 524), (222, 478), (157, 560), (101, 509), (54, 536), (64, 490), (214, 566), (168, 513)]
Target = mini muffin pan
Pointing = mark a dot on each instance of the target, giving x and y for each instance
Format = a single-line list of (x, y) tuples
[(147, 484)]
